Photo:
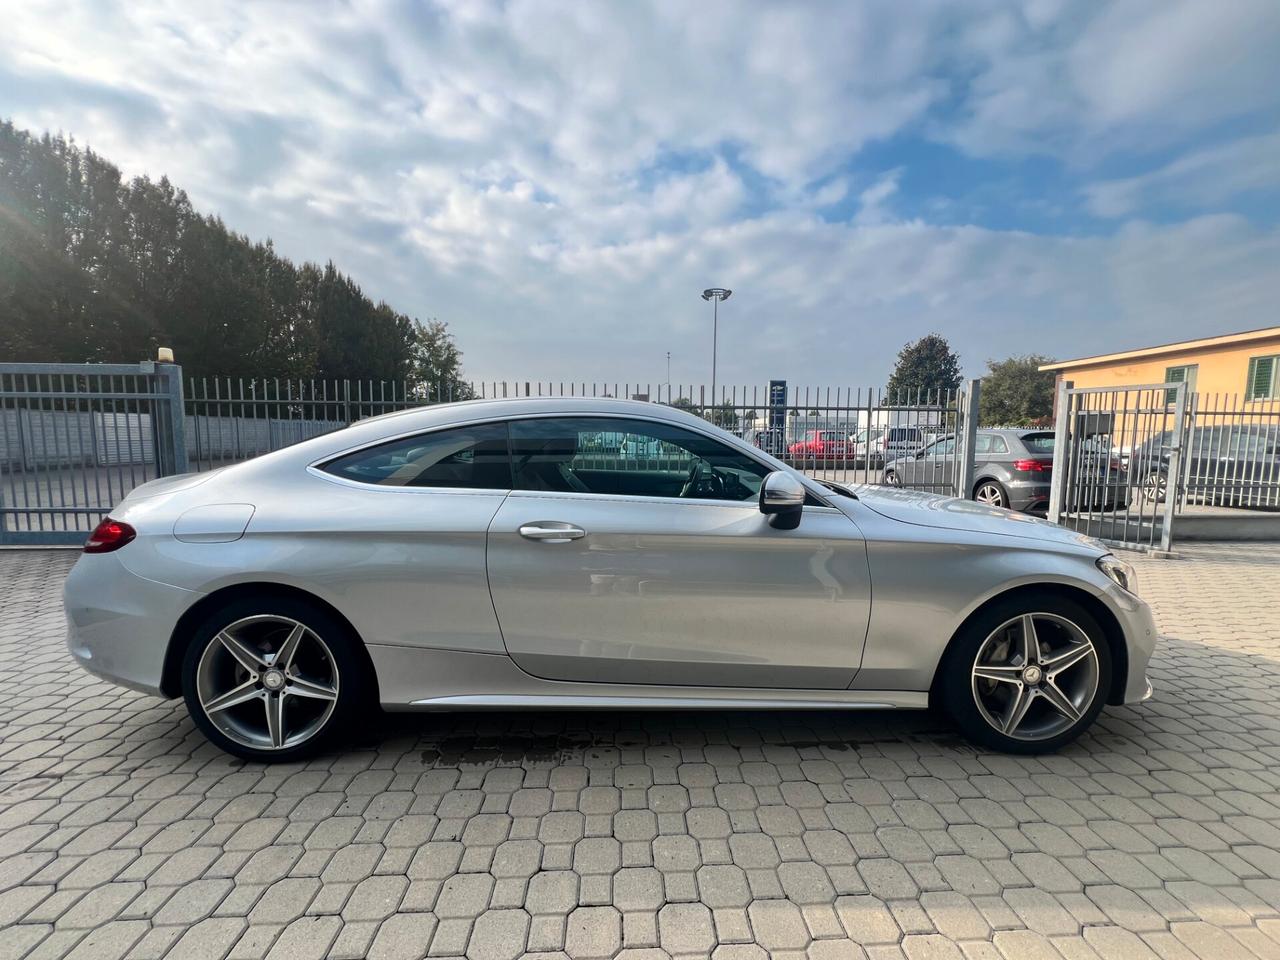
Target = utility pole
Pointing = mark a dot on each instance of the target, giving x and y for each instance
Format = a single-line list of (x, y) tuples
[(715, 295)]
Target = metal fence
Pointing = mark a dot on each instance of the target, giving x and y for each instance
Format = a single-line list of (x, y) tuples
[(1131, 461), (74, 439)]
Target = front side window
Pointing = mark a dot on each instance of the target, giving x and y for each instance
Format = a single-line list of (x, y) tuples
[(941, 448), (472, 457), (638, 458)]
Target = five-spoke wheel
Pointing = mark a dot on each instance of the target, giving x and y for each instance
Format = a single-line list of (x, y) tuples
[(1034, 676), (269, 684), (991, 493), (1027, 674)]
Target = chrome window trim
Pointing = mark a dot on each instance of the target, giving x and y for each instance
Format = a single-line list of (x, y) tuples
[(316, 467)]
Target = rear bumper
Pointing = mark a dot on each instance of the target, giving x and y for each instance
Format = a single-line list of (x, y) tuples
[(119, 624)]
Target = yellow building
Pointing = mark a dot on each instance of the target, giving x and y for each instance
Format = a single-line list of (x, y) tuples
[(1246, 365)]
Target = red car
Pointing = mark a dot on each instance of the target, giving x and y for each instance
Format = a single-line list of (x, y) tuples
[(821, 445)]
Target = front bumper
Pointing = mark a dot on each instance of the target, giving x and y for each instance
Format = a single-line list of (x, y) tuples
[(1139, 628), (119, 624)]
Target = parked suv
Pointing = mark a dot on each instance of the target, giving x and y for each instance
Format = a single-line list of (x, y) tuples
[(1014, 468)]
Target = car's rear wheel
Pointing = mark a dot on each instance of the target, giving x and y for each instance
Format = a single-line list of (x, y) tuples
[(1155, 486), (273, 678), (1026, 675), (892, 479), (992, 493)]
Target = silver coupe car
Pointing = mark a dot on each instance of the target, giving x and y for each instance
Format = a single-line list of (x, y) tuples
[(493, 553)]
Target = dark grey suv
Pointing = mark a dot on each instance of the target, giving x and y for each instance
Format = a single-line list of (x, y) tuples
[(1013, 468)]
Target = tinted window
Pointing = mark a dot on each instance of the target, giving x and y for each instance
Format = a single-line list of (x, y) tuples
[(909, 434), (991, 443), (649, 459), (1038, 442), (474, 457)]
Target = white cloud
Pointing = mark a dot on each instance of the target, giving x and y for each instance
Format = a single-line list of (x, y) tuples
[(560, 180), (1196, 181)]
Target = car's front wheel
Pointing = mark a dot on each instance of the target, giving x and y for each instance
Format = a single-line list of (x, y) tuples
[(273, 678), (1026, 675)]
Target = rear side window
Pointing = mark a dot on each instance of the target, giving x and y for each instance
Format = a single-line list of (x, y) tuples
[(474, 457), (909, 434), (1038, 442)]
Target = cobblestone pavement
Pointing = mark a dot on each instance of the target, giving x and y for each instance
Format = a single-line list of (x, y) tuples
[(123, 833)]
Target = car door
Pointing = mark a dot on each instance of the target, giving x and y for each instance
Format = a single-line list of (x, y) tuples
[(935, 465), (607, 571)]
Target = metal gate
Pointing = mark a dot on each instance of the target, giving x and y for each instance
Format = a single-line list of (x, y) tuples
[(75, 438), (1117, 462)]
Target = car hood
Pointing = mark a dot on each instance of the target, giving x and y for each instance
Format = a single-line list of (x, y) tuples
[(950, 513)]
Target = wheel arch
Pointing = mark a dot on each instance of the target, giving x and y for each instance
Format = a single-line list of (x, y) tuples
[(180, 637), (1097, 609), (987, 478)]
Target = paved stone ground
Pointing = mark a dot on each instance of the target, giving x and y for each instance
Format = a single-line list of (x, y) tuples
[(122, 833)]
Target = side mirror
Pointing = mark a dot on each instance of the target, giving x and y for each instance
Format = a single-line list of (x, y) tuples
[(920, 454), (782, 500)]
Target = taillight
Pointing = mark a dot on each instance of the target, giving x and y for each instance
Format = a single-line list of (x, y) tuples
[(109, 535), (1032, 466)]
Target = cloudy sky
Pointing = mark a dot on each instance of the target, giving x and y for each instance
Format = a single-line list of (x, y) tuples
[(560, 181)]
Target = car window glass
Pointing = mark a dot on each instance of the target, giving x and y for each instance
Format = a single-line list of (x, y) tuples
[(998, 445), (629, 457), (1038, 442), (472, 457), (941, 448), (982, 444)]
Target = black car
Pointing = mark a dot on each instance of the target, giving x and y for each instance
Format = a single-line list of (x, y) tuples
[(1229, 466)]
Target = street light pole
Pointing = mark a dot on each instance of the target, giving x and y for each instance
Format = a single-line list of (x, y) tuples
[(715, 294)]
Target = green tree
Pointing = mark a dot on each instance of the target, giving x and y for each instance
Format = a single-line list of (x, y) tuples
[(1016, 393), (925, 368), (684, 403), (437, 363), (94, 268)]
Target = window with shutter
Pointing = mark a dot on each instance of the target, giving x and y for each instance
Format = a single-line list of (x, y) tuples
[(1261, 383), (1184, 374)]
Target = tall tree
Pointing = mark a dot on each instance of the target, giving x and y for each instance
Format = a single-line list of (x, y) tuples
[(1016, 393), (97, 268), (926, 367)]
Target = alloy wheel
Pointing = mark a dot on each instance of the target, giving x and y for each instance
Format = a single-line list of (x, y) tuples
[(267, 682), (893, 479), (990, 494), (1153, 487), (1035, 676)]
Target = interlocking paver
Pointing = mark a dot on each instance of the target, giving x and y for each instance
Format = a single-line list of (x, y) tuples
[(122, 833)]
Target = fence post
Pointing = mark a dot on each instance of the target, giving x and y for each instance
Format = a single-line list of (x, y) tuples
[(171, 448), (1174, 478), (1057, 486), (966, 469)]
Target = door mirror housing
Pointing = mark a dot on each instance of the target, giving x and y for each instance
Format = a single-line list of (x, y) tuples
[(782, 499)]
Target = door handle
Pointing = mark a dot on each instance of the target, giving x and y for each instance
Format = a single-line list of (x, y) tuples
[(551, 531)]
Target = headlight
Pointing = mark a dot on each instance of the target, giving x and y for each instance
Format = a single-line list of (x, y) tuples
[(1119, 571)]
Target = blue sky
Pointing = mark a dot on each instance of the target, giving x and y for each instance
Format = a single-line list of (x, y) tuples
[(559, 181)]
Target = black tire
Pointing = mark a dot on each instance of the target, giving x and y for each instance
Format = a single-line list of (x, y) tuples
[(353, 680), (892, 479), (997, 487), (955, 687)]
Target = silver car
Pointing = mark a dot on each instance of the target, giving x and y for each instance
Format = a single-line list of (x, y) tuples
[(472, 555)]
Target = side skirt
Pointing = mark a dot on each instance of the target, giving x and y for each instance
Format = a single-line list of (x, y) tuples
[(412, 678)]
